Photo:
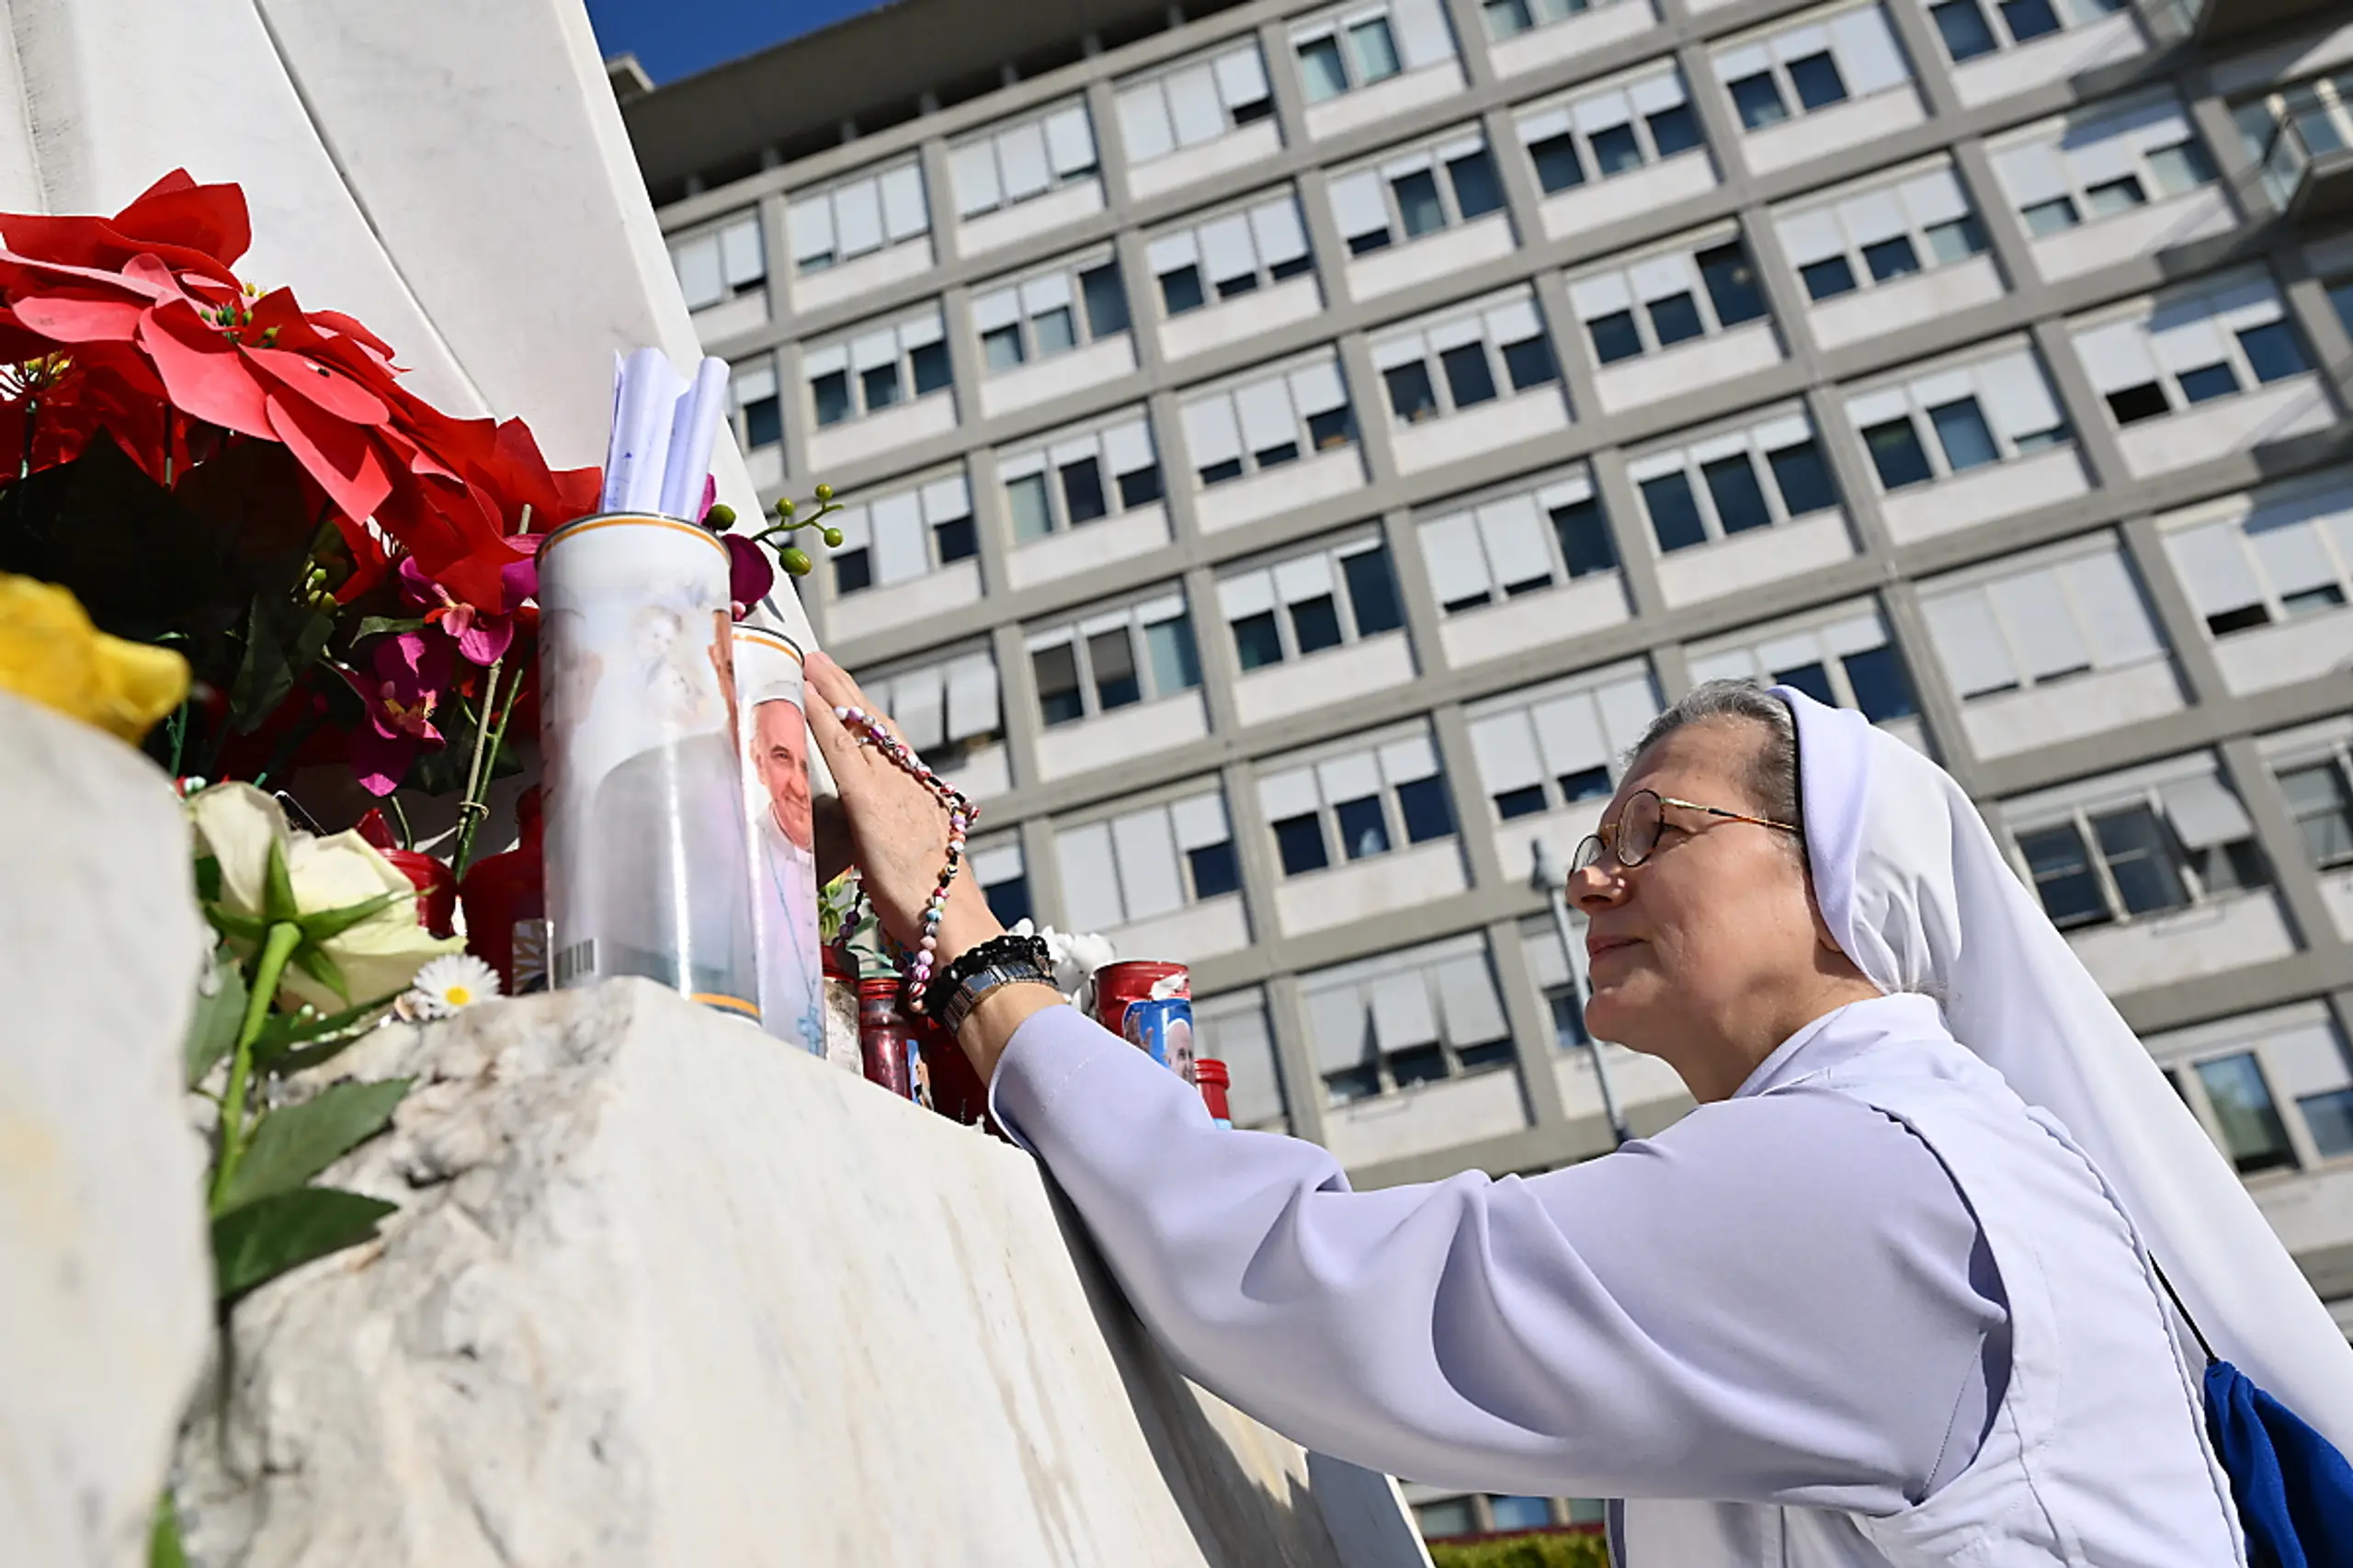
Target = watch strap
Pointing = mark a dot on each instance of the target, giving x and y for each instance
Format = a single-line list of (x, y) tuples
[(979, 983)]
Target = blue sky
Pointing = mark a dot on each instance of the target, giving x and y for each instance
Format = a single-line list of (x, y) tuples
[(677, 38)]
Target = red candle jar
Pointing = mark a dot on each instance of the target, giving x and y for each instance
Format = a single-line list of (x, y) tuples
[(887, 1036), (1136, 979), (957, 1092), (1210, 1078), (436, 884), (505, 901)]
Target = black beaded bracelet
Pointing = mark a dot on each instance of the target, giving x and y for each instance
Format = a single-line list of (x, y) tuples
[(1007, 948)]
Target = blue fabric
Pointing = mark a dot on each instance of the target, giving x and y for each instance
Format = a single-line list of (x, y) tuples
[(2294, 1490)]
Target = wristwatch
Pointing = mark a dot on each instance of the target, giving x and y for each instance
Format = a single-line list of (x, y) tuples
[(980, 981)]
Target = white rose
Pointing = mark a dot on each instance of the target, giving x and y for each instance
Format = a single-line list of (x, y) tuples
[(379, 955)]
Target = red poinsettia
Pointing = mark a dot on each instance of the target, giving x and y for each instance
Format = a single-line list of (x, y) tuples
[(137, 325)]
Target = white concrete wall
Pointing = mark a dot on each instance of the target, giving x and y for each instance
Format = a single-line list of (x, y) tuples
[(661, 1292), (902, 424), (996, 229), (1906, 302), (1352, 669), (896, 604), (1426, 1117), (2007, 722), (1540, 47), (1065, 749), (1371, 105), (1116, 537), (2210, 430), (717, 324), (1198, 931), (2053, 58), (1760, 555), (1106, 359), (1850, 124), (1505, 422), (1980, 495), (1316, 477), (2229, 933), (2108, 242), (847, 280), (2281, 655), (1532, 620), (1433, 255), (1237, 149), (1689, 367), (1358, 890), (1601, 201), (1243, 317)]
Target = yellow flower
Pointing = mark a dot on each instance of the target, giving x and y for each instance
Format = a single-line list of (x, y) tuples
[(50, 654), (379, 955)]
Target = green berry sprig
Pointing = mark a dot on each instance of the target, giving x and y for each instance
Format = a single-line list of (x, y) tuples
[(789, 521)]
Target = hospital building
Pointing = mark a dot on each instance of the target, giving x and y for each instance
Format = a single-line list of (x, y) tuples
[(1293, 449)]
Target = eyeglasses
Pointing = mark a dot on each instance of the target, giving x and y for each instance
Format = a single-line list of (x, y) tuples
[(1636, 833)]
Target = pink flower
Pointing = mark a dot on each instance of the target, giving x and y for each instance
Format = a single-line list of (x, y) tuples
[(750, 574), (482, 634), (412, 671)]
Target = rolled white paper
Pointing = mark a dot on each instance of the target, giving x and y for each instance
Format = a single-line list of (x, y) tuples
[(693, 427), (640, 443)]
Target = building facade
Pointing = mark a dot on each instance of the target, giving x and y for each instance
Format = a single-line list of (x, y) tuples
[(1293, 449)]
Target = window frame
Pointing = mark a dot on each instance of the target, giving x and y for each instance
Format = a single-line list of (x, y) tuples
[(760, 369), (1343, 30), (1436, 156), (1314, 370), (1234, 584), (2274, 126), (1165, 805), (1923, 196), (1057, 453), (1772, 54), (1215, 61), (1567, 117), (2065, 148), (1838, 634), (831, 193), (1600, 285), (993, 137), (1926, 393), (2092, 629), (2262, 1036), (2333, 534), (718, 233), (2148, 795), (1069, 276), (937, 510), (1716, 447), (1541, 13), (930, 332), (2070, 15), (1517, 307), (2336, 758), (1398, 757), (1611, 694), (1183, 248), (1553, 496), (1426, 961), (1138, 616), (885, 686), (2260, 304)]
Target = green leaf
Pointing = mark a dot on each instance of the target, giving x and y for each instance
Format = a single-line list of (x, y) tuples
[(291, 1145), (278, 889), (283, 638), (242, 928), (314, 962), (208, 878), (284, 1031), (328, 924), (163, 1548), (255, 1244), (212, 1029), (377, 625)]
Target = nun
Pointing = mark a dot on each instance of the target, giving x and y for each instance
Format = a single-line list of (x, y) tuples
[(1889, 1295)]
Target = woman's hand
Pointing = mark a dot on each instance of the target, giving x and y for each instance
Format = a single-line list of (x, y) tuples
[(898, 829)]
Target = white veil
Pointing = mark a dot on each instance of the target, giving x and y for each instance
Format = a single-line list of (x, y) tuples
[(1914, 890)]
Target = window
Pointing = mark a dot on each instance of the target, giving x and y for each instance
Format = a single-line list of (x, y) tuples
[(1970, 29), (2288, 128), (1140, 653), (1609, 131), (1550, 746), (2178, 352), (1265, 424), (1520, 1513), (1017, 162), (1050, 314), (858, 217), (1310, 603), (1002, 875), (2030, 627), (1882, 233), (1079, 477), (1359, 50), (2270, 561), (1846, 662), (1460, 363), (873, 370), (2102, 163), (1506, 18), (759, 413), (1439, 1520), (2322, 805), (1358, 806), (1232, 254), (721, 263), (901, 536), (947, 709), (1421, 193), (1668, 298), (1813, 66), (2163, 841), (1404, 1018), (1146, 863), (1232, 1028), (1714, 489), (1194, 103), (1516, 544), (1942, 424), (2259, 1080)]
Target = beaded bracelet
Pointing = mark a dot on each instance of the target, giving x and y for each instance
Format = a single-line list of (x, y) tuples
[(870, 730), (1009, 948)]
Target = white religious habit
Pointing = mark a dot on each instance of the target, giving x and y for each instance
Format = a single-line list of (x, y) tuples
[(1879, 1307)]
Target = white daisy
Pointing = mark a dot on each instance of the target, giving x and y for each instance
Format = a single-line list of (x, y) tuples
[(448, 985)]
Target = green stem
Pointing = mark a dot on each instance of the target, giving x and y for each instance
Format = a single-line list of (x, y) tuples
[(473, 808), (400, 821), (276, 947)]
